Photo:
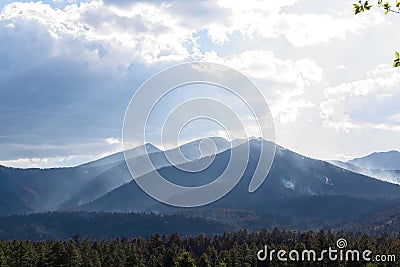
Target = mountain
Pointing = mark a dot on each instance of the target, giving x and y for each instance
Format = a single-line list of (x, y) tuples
[(391, 176), (38, 190), (204, 147), (117, 158), (382, 221), (301, 191), (379, 160), (346, 165), (116, 172), (15, 197), (35, 190)]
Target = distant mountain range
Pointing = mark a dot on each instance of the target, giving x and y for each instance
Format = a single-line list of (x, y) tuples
[(299, 192), (379, 160), (384, 166)]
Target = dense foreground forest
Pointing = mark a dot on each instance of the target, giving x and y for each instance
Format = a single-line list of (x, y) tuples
[(229, 249)]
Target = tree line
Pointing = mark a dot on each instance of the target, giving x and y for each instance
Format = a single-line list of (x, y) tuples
[(228, 249)]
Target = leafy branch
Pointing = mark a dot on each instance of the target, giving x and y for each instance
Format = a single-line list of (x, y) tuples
[(387, 7), (364, 6), (396, 62)]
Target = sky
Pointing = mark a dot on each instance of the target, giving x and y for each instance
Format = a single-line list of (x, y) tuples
[(68, 70)]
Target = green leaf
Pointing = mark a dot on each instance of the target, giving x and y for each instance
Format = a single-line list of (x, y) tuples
[(397, 3), (396, 63), (357, 9), (397, 54), (366, 6), (386, 6)]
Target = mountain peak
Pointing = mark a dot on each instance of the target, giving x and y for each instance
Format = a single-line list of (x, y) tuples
[(149, 147)]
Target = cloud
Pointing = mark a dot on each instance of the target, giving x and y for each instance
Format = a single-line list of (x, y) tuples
[(257, 19), (107, 29), (45, 162), (166, 30), (283, 81), (395, 118), (69, 68), (264, 65), (307, 29), (347, 102), (113, 141), (343, 157), (63, 155)]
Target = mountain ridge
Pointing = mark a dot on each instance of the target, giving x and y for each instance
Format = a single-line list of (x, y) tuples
[(389, 160), (299, 191), (304, 184)]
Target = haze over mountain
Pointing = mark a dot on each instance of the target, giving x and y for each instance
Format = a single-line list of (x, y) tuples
[(33, 190), (384, 166), (114, 159), (299, 192), (379, 160)]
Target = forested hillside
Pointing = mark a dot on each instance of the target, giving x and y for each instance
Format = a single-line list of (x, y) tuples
[(103, 225)]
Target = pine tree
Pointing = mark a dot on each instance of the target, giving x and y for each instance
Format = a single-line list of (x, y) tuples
[(28, 254), (3, 259), (58, 255), (75, 256), (184, 260), (204, 261)]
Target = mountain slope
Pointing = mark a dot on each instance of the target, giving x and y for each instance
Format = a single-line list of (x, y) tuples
[(298, 188), (37, 190), (201, 148), (379, 160), (117, 158), (102, 226), (117, 172), (385, 220), (42, 189), (299, 192), (391, 176), (15, 197)]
